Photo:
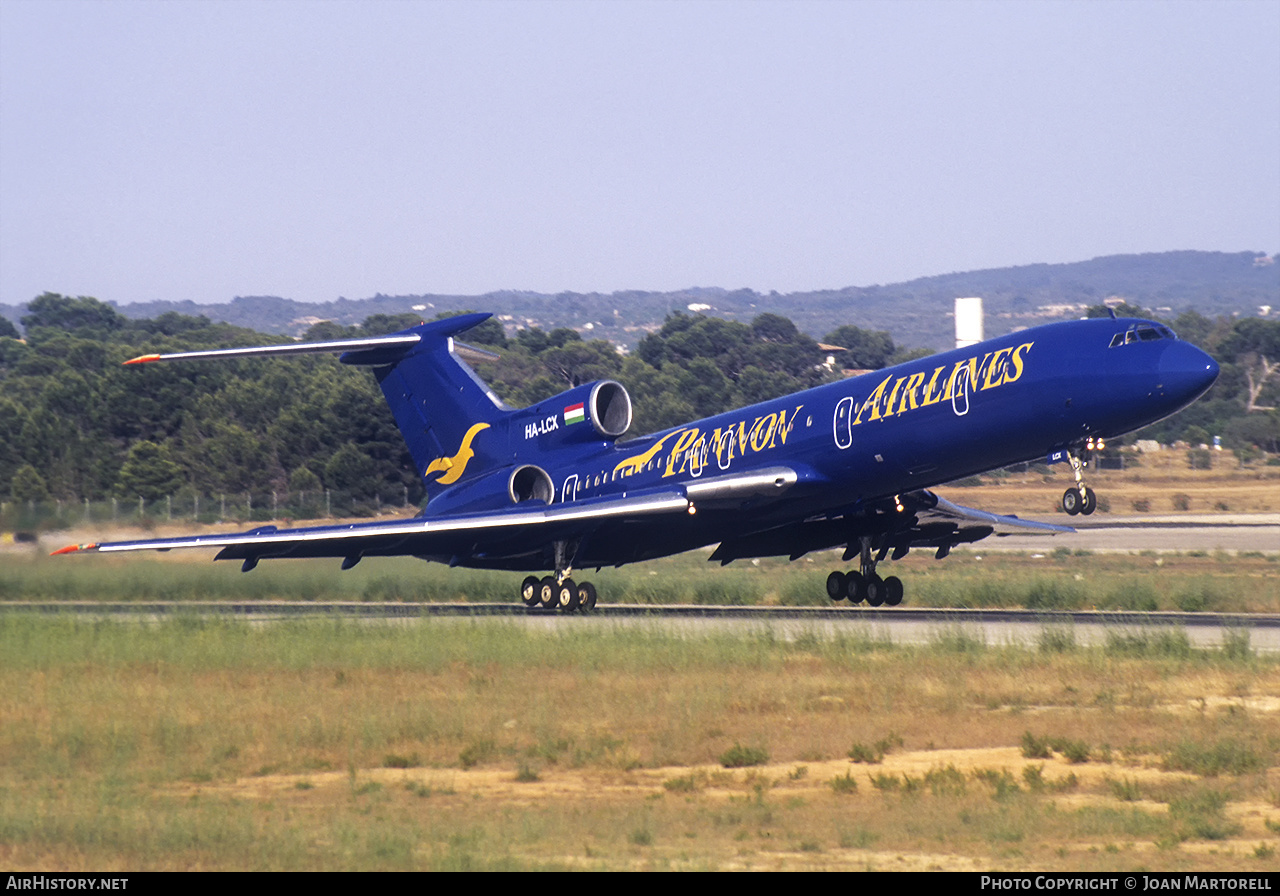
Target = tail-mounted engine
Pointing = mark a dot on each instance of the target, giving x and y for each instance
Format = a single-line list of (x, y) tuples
[(530, 483), (599, 410)]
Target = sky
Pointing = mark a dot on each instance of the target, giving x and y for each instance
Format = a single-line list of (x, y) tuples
[(311, 150)]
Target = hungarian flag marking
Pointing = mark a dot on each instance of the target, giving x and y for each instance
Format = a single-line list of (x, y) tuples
[(575, 413)]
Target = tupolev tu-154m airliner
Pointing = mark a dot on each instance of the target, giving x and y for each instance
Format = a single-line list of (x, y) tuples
[(551, 488)]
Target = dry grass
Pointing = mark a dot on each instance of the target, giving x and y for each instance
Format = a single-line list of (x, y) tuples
[(482, 745)]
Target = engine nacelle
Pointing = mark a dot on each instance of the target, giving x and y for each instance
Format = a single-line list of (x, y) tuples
[(604, 406), (530, 483)]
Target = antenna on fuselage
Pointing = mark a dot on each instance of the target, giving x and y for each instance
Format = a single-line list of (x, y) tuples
[(968, 322)]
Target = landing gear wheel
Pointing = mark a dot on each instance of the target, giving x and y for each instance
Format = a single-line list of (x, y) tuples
[(547, 595), (1090, 502), (567, 596), (1080, 499), (529, 591), (855, 587), (1071, 501), (836, 585), (875, 590), (587, 596), (893, 591)]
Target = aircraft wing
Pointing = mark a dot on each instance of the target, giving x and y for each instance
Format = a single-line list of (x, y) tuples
[(519, 529), (892, 526), (493, 535)]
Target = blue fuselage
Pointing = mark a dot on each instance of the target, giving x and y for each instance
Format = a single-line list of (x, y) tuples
[(1007, 400)]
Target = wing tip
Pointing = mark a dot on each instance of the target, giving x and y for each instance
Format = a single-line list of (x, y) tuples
[(142, 359), (72, 548)]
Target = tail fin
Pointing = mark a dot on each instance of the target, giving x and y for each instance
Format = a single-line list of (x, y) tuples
[(443, 409), (441, 406)]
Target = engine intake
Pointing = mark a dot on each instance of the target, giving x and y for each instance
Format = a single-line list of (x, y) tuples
[(610, 408), (530, 483)]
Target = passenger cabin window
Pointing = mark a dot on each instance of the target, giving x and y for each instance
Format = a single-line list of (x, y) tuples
[(1142, 333)]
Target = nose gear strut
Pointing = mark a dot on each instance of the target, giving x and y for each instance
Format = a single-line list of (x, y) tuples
[(1079, 498)]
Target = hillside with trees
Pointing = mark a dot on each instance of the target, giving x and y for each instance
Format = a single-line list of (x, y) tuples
[(917, 313)]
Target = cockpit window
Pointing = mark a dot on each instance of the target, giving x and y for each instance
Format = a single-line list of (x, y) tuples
[(1142, 333)]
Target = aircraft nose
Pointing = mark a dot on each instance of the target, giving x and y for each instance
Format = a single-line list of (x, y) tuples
[(1186, 372)]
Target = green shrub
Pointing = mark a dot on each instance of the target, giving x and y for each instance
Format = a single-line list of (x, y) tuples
[(844, 783), (1073, 751), (1056, 639), (739, 756), (691, 783), (1035, 747), (475, 753), (1199, 816), (1002, 784), (1236, 646), (863, 753), (945, 781), (1210, 760), (1125, 789), (395, 760)]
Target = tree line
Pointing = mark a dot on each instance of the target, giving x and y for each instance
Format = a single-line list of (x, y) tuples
[(78, 426)]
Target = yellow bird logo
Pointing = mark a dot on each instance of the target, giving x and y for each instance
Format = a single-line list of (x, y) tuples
[(454, 467)]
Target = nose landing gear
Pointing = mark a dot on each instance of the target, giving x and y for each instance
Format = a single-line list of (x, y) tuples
[(1079, 498)]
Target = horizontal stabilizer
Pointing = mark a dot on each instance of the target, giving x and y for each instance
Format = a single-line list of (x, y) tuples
[(372, 350), (292, 348), (1001, 524)]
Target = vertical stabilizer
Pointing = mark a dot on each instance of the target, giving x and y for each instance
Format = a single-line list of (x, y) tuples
[(446, 413)]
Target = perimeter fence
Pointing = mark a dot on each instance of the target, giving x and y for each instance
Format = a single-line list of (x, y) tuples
[(190, 508)]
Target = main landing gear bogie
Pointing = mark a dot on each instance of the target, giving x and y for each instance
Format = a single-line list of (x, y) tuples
[(858, 588), (864, 584), (564, 595)]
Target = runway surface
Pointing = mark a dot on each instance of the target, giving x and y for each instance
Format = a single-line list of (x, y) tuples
[(902, 625)]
